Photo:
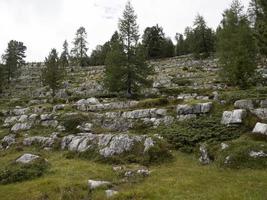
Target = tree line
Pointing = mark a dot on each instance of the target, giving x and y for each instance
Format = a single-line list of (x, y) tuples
[(239, 42)]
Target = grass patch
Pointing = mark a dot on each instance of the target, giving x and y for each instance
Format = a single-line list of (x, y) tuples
[(149, 103), (16, 172), (238, 155)]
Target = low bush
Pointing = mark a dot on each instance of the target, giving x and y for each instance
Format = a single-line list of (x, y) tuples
[(16, 172), (149, 103), (187, 135), (71, 122), (182, 82), (237, 155)]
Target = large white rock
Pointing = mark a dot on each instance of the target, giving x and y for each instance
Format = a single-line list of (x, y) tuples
[(244, 104), (21, 127), (92, 184), (260, 128), (9, 140), (233, 117), (39, 140), (260, 113), (200, 108), (20, 111), (11, 121), (92, 101), (27, 158)]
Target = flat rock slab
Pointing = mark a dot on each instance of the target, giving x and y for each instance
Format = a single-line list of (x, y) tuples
[(260, 128), (27, 158), (233, 117)]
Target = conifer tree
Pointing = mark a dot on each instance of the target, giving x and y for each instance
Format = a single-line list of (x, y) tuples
[(52, 74), (64, 58), (2, 77), (126, 67), (203, 38), (153, 40), (236, 47), (79, 51), (14, 58), (259, 16)]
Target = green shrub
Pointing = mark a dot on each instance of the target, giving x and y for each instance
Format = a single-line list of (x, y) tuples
[(71, 122), (16, 172), (238, 154), (187, 135), (182, 82), (148, 103)]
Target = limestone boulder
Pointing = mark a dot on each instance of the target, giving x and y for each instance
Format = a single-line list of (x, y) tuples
[(260, 128), (233, 117), (21, 127), (244, 104)]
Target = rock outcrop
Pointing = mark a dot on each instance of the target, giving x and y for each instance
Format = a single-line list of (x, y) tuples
[(186, 111), (260, 128), (234, 117), (106, 145), (27, 158)]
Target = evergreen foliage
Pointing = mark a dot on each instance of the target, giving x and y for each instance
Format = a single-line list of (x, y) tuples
[(52, 74), (236, 47), (64, 58), (14, 58), (259, 16), (79, 51), (126, 66)]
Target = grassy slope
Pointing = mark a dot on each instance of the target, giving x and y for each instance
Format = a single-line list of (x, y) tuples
[(181, 179)]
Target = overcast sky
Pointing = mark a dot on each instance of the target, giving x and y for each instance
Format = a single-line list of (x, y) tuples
[(45, 24)]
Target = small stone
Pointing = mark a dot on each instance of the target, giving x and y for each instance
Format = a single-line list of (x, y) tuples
[(224, 146), (143, 172), (257, 154), (92, 184), (204, 158), (111, 193), (27, 158), (148, 144)]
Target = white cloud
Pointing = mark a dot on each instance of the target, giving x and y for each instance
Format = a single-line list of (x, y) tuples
[(45, 24)]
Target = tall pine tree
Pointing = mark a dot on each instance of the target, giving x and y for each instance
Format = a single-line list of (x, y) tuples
[(236, 47), (14, 58), (259, 16), (153, 39), (203, 38), (52, 74), (64, 57), (126, 67), (2, 77), (79, 51)]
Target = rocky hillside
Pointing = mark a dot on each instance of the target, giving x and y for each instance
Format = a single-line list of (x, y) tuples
[(90, 144)]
